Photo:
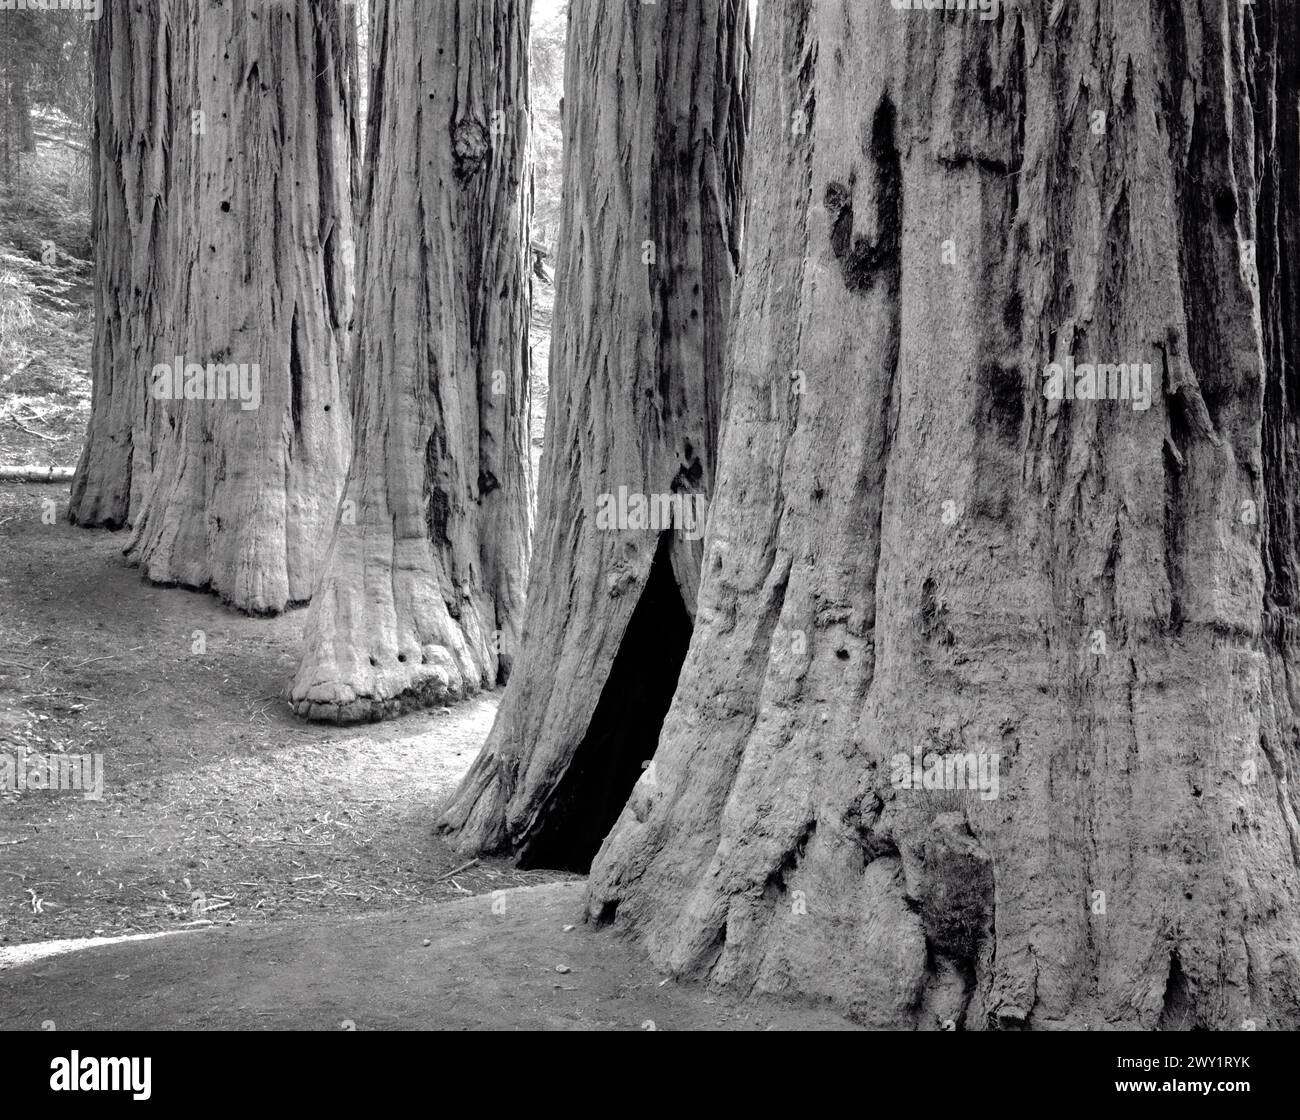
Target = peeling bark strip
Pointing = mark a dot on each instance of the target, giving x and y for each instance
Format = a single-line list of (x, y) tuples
[(130, 171), (259, 201), (923, 552), (423, 584), (654, 125)]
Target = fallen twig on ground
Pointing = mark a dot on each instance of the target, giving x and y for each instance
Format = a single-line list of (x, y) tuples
[(457, 870)]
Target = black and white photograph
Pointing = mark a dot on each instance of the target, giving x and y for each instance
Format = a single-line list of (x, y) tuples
[(650, 515)]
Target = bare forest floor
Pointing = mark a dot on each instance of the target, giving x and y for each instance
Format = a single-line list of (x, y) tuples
[(215, 795), (212, 787)]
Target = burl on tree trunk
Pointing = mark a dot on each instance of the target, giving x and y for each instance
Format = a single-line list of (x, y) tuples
[(935, 551), (423, 584), (247, 375), (654, 126)]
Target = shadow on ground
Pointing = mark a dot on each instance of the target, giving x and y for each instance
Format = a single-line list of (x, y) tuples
[(516, 960)]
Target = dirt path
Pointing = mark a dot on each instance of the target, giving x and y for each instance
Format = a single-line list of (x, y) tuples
[(214, 793), (491, 963)]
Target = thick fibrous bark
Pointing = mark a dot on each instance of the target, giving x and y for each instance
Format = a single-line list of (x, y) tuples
[(424, 579), (924, 551), (130, 145), (260, 211), (654, 126)]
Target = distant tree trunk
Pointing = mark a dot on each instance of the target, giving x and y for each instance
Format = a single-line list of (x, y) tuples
[(22, 110), (241, 498), (654, 126), (423, 582), (129, 166), (923, 551), (10, 145)]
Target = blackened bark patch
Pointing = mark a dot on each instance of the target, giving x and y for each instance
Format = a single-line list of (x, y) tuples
[(689, 478), (1205, 207), (624, 728), (1178, 447), (1277, 243), (1003, 391), (862, 260), (838, 201), (1178, 1005), (437, 505), (295, 375), (437, 511), (955, 891), (1013, 313), (1017, 93), (332, 285)]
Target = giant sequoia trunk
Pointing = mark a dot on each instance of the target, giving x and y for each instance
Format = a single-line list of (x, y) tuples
[(933, 550), (262, 173), (129, 166), (654, 125), (423, 583)]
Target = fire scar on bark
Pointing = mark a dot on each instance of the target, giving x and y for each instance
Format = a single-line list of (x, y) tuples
[(862, 260)]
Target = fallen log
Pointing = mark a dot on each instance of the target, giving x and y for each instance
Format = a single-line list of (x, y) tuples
[(36, 474)]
